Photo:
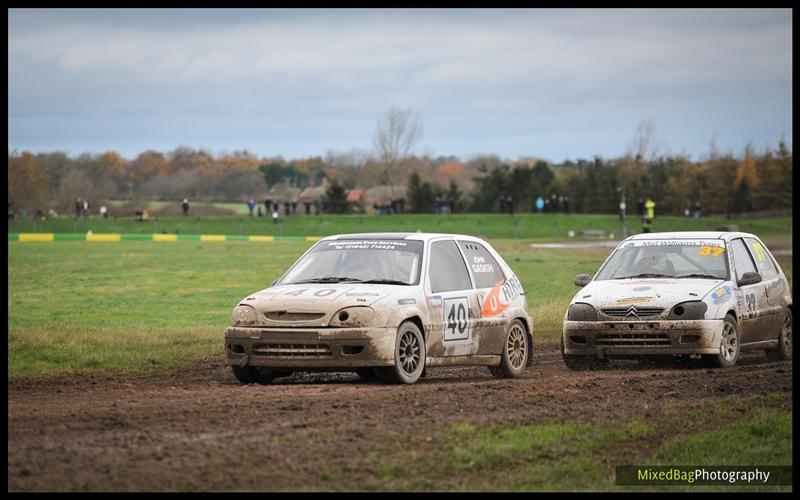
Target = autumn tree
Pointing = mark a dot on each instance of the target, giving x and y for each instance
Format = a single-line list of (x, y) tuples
[(28, 184)]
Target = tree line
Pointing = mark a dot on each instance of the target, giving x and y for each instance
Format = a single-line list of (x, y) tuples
[(723, 183)]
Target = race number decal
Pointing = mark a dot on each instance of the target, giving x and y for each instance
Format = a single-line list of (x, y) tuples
[(707, 250), (750, 298), (456, 318)]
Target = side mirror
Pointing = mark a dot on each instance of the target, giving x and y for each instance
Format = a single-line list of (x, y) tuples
[(749, 279), (582, 280), (274, 281)]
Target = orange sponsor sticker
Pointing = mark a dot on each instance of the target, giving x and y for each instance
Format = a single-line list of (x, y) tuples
[(492, 306)]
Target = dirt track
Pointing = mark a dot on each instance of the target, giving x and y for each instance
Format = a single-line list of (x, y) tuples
[(201, 430)]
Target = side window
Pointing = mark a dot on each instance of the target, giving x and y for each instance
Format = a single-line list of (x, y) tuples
[(765, 265), (447, 269), (741, 259), (484, 268)]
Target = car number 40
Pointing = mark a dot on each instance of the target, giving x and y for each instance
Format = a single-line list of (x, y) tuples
[(456, 318)]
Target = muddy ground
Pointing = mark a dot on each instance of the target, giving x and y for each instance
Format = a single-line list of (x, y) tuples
[(200, 430)]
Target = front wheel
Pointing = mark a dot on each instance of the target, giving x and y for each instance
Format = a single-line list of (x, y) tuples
[(409, 356), (729, 346), (580, 362), (784, 349), (516, 351), (252, 375)]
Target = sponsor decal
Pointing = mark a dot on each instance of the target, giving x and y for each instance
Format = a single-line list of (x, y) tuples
[(406, 302), (721, 294), (362, 294), (678, 243), (740, 303), (761, 255), (435, 301), (479, 265), (634, 300), (501, 296), (367, 245), (642, 288)]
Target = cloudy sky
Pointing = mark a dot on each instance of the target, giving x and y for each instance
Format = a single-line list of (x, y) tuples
[(553, 84)]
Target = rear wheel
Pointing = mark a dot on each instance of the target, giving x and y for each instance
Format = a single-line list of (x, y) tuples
[(729, 346), (409, 356), (784, 349), (516, 350), (252, 374)]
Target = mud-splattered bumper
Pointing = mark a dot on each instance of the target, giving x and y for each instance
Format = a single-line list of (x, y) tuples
[(642, 337), (325, 348)]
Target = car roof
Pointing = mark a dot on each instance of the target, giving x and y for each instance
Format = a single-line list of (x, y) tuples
[(724, 235), (399, 236)]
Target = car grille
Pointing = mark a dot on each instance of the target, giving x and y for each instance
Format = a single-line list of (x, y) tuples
[(293, 316), (292, 350), (632, 312), (632, 339)]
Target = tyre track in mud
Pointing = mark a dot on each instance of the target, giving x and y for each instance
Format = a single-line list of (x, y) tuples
[(201, 430)]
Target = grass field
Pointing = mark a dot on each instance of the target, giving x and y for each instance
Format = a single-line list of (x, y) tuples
[(77, 307), (581, 455), (545, 227)]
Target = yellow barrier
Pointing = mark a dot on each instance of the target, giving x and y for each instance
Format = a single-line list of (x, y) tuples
[(36, 237), (103, 237), (212, 237), (165, 237), (262, 238)]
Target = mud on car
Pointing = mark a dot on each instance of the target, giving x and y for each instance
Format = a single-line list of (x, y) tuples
[(711, 294), (386, 306)]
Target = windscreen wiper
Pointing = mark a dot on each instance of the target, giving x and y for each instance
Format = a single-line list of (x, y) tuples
[(646, 275), (700, 275), (328, 279), (386, 282)]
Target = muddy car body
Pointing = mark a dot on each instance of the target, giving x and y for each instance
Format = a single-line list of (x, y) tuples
[(712, 294), (386, 306)]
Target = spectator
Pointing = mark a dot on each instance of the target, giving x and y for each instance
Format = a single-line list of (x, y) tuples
[(85, 209), (640, 208), (260, 212), (251, 204), (539, 204), (697, 210), (275, 216), (185, 206), (104, 211), (78, 207), (650, 214)]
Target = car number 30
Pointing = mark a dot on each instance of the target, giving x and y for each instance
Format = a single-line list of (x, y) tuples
[(456, 325)]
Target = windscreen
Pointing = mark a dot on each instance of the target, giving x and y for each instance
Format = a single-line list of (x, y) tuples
[(703, 259), (394, 262)]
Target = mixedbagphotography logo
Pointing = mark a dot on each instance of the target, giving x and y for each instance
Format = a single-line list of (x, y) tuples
[(705, 475)]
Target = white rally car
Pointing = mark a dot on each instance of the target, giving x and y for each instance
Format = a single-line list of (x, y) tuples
[(684, 293), (385, 306)]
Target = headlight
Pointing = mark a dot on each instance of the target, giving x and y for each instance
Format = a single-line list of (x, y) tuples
[(353, 316), (581, 312), (695, 309), (244, 315)]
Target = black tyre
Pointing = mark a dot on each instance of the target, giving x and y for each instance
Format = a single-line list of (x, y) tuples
[(516, 350), (252, 375), (409, 356), (729, 346), (784, 349), (580, 362), (367, 374)]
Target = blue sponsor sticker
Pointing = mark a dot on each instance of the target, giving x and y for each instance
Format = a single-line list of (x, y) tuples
[(435, 301), (642, 288), (721, 294)]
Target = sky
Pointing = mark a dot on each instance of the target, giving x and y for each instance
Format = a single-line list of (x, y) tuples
[(552, 84)]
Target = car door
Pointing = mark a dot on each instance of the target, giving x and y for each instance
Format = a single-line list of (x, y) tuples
[(770, 318), (486, 274), (755, 299), (451, 301)]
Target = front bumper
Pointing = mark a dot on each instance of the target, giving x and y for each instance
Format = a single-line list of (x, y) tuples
[(642, 337), (310, 348)]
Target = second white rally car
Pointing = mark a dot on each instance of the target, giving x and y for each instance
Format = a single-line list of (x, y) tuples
[(713, 294), (385, 306)]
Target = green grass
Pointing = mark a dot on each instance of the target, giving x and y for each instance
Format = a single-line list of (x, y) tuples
[(526, 226), (580, 455), (77, 307)]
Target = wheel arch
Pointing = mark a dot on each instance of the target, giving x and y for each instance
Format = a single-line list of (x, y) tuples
[(417, 321), (529, 333)]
